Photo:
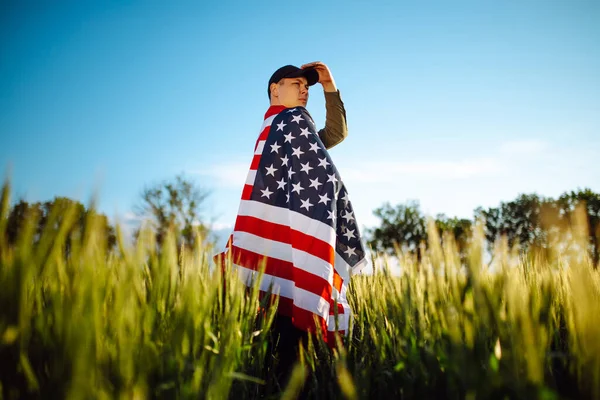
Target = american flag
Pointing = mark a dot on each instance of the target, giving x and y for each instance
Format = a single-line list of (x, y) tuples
[(296, 217)]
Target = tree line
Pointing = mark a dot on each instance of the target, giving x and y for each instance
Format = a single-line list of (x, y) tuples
[(170, 205), (530, 221)]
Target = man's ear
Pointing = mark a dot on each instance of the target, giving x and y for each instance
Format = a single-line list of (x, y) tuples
[(274, 90)]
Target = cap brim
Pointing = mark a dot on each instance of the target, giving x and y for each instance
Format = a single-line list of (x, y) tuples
[(311, 75)]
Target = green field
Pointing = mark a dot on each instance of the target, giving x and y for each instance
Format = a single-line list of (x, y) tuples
[(81, 322)]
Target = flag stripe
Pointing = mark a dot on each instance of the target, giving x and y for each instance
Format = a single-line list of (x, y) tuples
[(247, 192), (301, 318), (251, 177), (284, 216), (285, 288), (283, 251), (285, 234), (255, 162), (282, 270), (259, 147)]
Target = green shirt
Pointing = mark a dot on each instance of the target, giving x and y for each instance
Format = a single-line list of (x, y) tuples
[(335, 129)]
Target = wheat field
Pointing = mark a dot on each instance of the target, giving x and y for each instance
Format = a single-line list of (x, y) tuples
[(79, 321)]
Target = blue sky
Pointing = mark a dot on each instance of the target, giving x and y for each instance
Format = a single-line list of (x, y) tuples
[(455, 104)]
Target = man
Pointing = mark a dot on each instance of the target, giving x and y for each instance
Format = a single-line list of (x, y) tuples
[(295, 218), (284, 89)]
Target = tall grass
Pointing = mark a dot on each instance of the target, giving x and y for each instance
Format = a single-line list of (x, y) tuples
[(142, 322)]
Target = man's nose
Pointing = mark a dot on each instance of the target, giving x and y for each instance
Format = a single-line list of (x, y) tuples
[(303, 89)]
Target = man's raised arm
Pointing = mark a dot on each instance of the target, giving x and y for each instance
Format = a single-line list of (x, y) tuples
[(336, 128)]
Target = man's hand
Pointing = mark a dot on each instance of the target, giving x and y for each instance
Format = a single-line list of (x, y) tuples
[(325, 77)]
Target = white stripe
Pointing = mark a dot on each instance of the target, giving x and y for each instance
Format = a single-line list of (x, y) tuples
[(251, 177), (260, 147), (284, 251), (293, 219), (343, 319), (267, 122), (345, 270), (285, 288)]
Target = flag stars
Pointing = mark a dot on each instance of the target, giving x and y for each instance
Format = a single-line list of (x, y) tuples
[(290, 173), (315, 183), (266, 193), (297, 119), (297, 187), (331, 178), (271, 170), (275, 147), (350, 251), (331, 216), (304, 132), (306, 167), (324, 198), (285, 160), (314, 147), (292, 110), (306, 204), (288, 138), (348, 216), (297, 152), (349, 234), (281, 184), (323, 162), (346, 199), (280, 126)]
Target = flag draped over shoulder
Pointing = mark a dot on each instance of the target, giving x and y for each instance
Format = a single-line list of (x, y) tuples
[(296, 219)]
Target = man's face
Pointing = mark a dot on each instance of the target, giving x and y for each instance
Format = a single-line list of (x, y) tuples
[(291, 92)]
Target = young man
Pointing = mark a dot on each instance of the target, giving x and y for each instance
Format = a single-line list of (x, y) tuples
[(295, 217), (289, 85)]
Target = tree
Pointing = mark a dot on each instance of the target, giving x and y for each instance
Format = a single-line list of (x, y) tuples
[(518, 220), (51, 215), (590, 201), (540, 223), (403, 226), (459, 228), (174, 204)]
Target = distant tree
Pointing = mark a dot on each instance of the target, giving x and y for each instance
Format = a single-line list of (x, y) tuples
[(49, 217), (403, 226), (174, 204), (590, 201), (540, 223), (518, 220), (459, 228)]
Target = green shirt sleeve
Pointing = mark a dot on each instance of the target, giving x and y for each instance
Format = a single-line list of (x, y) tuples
[(335, 129)]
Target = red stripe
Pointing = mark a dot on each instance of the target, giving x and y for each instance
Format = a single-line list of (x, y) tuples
[(301, 318), (340, 308), (247, 192), (337, 281), (282, 269), (331, 338), (262, 228), (264, 134), (284, 234), (255, 162), (274, 110)]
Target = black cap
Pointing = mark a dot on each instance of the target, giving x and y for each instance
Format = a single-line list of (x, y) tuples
[(290, 71)]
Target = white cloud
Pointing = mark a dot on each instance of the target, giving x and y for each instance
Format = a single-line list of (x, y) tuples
[(523, 147), (226, 175), (390, 171), (219, 226)]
